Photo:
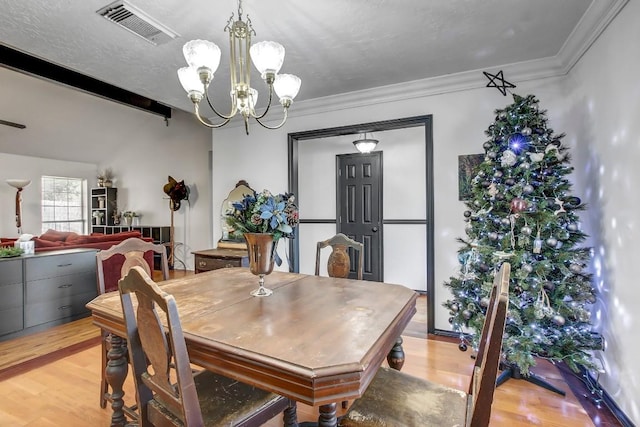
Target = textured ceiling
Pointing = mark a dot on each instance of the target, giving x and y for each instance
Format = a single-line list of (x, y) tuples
[(335, 46)]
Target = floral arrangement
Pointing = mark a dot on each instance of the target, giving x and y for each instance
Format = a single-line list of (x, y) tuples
[(264, 213)]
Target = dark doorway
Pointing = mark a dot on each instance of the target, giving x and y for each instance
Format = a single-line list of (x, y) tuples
[(359, 207), (425, 122)]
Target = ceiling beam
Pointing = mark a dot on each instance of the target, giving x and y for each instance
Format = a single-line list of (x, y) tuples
[(22, 62)]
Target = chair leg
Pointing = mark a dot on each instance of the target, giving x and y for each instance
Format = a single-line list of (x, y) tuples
[(104, 386)]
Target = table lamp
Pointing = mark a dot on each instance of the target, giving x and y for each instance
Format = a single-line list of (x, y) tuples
[(19, 184)]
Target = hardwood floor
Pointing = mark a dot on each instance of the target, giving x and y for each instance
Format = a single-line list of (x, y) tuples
[(58, 385)]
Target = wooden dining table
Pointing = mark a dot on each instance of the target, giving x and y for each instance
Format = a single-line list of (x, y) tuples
[(317, 340)]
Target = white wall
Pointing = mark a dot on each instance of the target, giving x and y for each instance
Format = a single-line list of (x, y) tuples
[(84, 134), (602, 104)]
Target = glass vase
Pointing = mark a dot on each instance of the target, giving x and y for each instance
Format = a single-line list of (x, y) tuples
[(261, 248)]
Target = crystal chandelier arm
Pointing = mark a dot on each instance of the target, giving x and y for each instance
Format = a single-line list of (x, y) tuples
[(206, 122), (284, 119)]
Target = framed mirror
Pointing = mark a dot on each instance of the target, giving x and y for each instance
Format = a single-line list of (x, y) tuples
[(230, 239)]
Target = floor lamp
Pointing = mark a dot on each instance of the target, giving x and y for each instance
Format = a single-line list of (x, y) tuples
[(18, 184)]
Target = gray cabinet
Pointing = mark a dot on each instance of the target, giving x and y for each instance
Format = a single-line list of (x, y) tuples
[(42, 290), (11, 296)]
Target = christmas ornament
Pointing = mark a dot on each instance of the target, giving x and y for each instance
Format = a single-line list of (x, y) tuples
[(462, 347), (466, 314), (549, 286), (552, 242), (508, 158), (502, 115), (526, 131), (558, 320), (575, 268), (484, 302), (537, 243), (527, 267), (497, 174), (509, 181), (526, 230), (498, 81), (455, 307), (536, 157), (492, 235), (572, 226), (467, 214), (525, 165), (487, 145), (518, 205), (492, 154), (527, 189), (505, 221), (572, 202)]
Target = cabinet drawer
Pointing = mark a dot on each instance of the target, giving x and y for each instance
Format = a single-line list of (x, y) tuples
[(10, 320), (60, 287), (10, 296), (10, 271), (47, 311), (43, 267), (215, 263)]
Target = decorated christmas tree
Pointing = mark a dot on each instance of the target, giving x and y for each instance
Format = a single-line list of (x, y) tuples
[(521, 210)]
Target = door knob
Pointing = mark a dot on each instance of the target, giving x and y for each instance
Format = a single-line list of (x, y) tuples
[(374, 229)]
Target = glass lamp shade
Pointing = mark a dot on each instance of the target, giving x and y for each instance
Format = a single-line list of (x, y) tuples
[(190, 80), (202, 53), (287, 86), (365, 145), (18, 183), (267, 56)]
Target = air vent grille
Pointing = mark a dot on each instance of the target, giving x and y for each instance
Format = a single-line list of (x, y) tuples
[(137, 22)]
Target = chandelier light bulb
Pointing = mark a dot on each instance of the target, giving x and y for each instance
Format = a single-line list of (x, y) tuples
[(287, 87), (191, 83), (267, 57), (202, 53)]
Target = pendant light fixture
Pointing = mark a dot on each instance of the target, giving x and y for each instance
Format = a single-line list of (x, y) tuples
[(364, 144), (203, 58)]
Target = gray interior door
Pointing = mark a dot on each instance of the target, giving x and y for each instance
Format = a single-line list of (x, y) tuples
[(359, 206)]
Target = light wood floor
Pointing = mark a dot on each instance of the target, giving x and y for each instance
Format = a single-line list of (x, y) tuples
[(41, 388), (65, 391)]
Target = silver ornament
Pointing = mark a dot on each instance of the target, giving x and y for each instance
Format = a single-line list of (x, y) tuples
[(484, 302), (493, 235), (466, 314), (572, 226), (527, 267), (552, 242), (558, 320), (526, 131), (526, 230), (575, 268), (527, 189)]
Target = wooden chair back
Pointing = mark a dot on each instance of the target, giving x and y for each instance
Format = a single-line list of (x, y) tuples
[(162, 347), (342, 240), (485, 370), (114, 263)]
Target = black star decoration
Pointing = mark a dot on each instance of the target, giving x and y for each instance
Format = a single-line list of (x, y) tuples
[(502, 84)]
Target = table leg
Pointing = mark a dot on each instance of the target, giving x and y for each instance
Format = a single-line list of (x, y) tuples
[(291, 415), (327, 416), (395, 358), (116, 372)]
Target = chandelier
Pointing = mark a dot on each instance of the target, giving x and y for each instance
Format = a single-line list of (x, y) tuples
[(203, 58), (365, 145)]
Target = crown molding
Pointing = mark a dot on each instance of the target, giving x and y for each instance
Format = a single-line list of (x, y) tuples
[(598, 16)]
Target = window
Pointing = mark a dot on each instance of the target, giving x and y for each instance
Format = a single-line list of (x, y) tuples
[(63, 204)]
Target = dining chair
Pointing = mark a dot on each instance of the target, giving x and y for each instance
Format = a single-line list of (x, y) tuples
[(112, 265), (339, 262), (397, 399), (167, 391)]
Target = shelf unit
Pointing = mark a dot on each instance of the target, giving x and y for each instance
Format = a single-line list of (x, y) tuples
[(103, 199)]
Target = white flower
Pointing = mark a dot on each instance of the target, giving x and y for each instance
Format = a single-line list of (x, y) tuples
[(508, 158)]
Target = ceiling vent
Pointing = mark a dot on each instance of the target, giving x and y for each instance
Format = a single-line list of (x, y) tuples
[(132, 19)]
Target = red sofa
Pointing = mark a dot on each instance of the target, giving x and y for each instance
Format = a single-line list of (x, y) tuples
[(53, 240)]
